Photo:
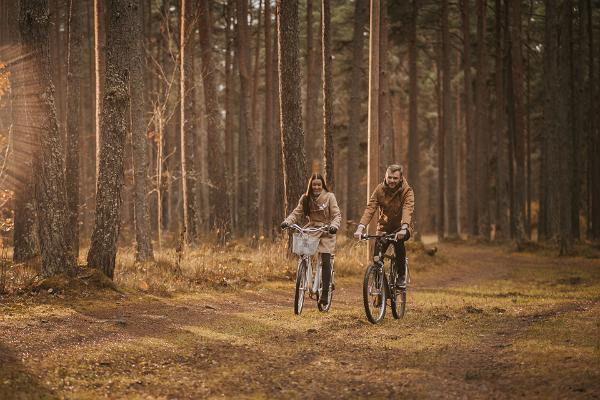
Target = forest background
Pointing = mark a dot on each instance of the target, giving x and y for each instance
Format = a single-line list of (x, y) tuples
[(170, 124)]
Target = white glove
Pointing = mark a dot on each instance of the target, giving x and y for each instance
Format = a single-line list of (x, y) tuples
[(359, 231)]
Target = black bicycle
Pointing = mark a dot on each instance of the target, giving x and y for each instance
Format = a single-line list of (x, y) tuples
[(380, 285)]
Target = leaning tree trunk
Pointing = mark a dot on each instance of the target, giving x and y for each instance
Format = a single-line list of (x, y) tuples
[(353, 197), (327, 94), (48, 166), (113, 130), (144, 251), (294, 158), (219, 210)]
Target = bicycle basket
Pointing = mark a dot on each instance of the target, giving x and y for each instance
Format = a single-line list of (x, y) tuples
[(304, 245)]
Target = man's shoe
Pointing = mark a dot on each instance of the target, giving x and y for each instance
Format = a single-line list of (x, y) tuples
[(401, 282)]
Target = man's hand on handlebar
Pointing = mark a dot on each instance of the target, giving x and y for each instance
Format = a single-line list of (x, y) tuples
[(402, 233)]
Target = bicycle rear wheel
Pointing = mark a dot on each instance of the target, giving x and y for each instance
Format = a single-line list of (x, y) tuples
[(374, 297), (300, 287)]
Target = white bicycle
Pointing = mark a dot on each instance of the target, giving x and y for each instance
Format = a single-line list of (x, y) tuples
[(305, 247)]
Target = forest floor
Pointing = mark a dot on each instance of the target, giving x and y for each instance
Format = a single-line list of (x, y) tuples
[(482, 323)]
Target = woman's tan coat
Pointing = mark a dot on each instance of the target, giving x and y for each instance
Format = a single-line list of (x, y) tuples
[(323, 211)]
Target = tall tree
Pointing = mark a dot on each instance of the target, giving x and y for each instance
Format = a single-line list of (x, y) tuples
[(219, 210), (292, 135), (414, 159), (327, 94), (311, 137), (113, 129), (48, 164), (249, 186), (386, 136), (594, 136), (516, 56), (481, 125), (137, 87), (353, 197), (269, 187), (447, 120), (187, 126), (471, 161), (373, 130), (502, 189), (75, 26)]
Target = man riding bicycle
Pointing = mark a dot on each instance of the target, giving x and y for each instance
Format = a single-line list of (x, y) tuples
[(395, 200)]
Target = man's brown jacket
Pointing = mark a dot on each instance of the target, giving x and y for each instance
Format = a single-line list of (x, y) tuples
[(395, 207)]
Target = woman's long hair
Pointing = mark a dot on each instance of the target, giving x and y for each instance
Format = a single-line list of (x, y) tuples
[(306, 198)]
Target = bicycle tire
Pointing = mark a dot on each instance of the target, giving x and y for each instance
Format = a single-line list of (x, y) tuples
[(326, 307), (300, 287), (398, 297), (374, 294)]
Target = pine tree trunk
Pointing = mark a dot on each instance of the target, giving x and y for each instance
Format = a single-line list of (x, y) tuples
[(137, 87), (327, 95), (75, 25), (593, 142), (519, 119), (103, 247), (386, 136), (448, 125), (294, 158), (311, 136), (471, 161), (187, 119), (269, 187), (414, 151), (502, 187), (373, 119), (229, 131), (481, 125), (577, 103), (249, 186), (219, 210), (441, 214), (48, 165), (564, 150), (355, 110)]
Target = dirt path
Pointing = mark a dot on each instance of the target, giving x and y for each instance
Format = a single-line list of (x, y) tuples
[(486, 324)]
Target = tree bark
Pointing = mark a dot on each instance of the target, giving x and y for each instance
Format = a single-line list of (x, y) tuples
[(441, 214), (249, 186), (471, 161), (448, 126), (113, 128), (269, 187), (219, 210), (594, 136), (311, 137), (48, 164), (355, 110), (137, 87), (519, 119), (481, 125), (294, 158), (187, 119), (386, 136), (502, 186), (328, 153), (414, 151)]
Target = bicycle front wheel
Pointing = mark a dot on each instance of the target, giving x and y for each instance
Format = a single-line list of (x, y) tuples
[(398, 303), (374, 297), (300, 287)]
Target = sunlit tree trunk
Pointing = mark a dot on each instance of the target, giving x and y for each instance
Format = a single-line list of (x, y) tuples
[(327, 94), (48, 164), (103, 247), (414, 151)]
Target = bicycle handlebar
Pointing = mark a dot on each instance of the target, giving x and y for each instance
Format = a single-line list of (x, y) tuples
[(390, 236), (324, 228)]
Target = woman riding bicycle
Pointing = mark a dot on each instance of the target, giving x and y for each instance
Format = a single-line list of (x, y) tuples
[(320, 207)]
